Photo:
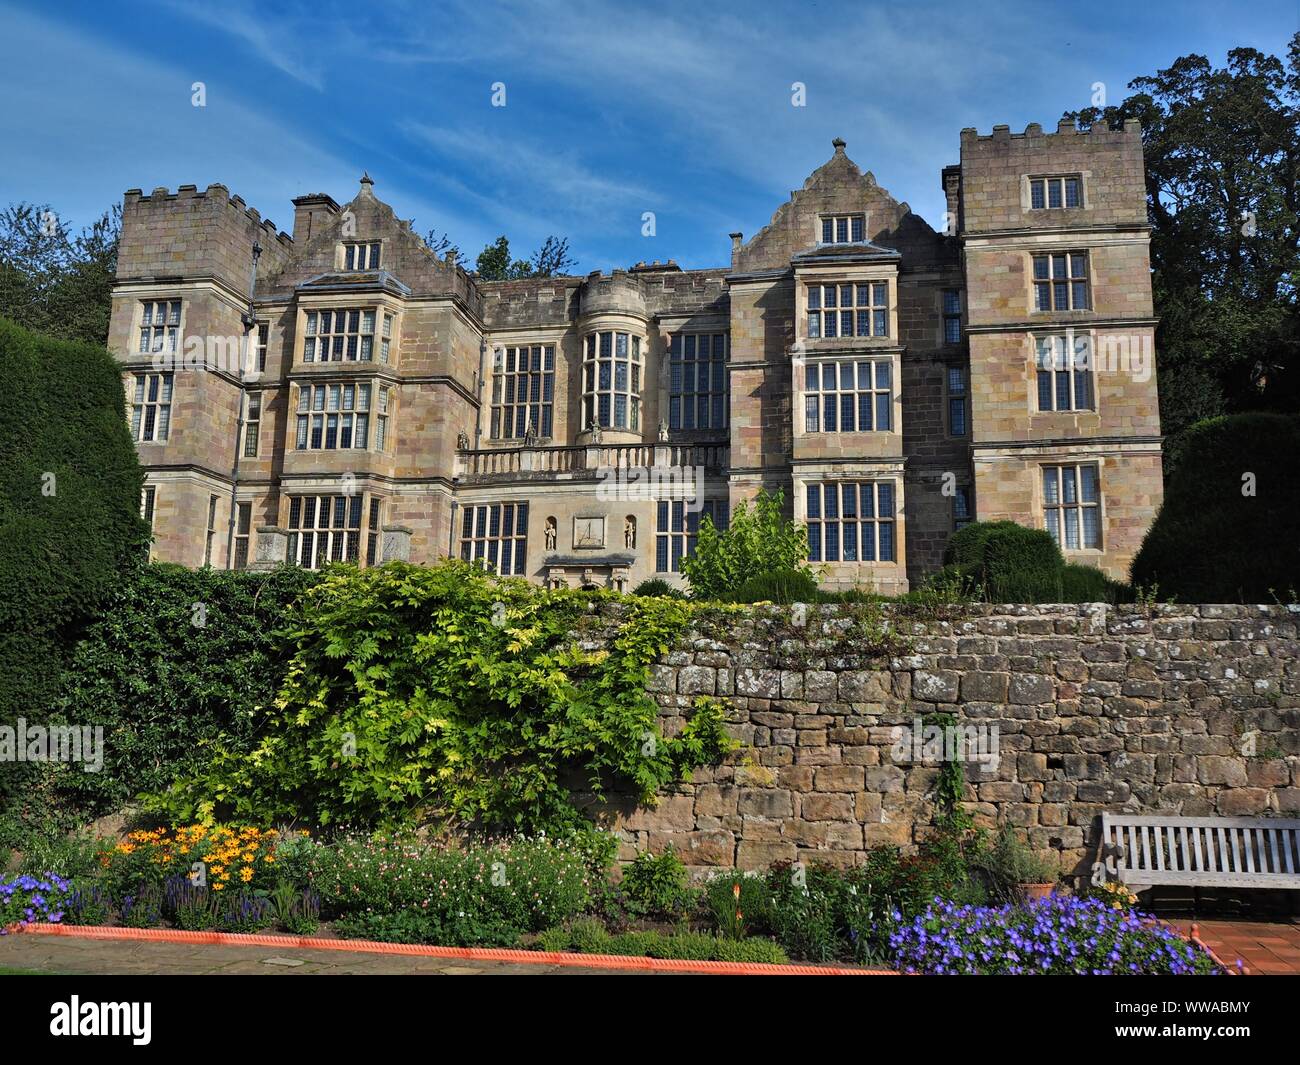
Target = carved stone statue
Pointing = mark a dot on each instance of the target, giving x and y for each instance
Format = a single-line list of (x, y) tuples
[(462, 441), (595, 433), (550, 534), (663, 431), (530, 436), (629, 533)]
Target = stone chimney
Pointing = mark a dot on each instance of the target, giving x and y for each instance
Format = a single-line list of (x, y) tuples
[(311, 214)]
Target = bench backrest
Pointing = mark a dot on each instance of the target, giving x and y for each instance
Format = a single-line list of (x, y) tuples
[(1242, 851)]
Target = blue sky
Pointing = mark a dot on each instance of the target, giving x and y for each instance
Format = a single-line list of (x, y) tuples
[(612, 109)]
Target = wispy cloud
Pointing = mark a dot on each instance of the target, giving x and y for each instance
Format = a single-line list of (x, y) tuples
[(272, 38)]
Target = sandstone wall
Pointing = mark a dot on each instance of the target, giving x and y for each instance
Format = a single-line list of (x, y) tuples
[(1178, 709)]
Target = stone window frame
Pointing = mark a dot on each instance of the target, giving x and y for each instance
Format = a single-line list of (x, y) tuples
[(316, 518), (1073, 510), (839, 274), (950, 397), (1052, 282), (482, 541), (151, 397), (374, 524), (170, 335), (595, 390), (501, 410), (677, 529), (348, 261), (262, 343), (1029, 181), (352, 341), (856, 391), (834, 219), (252, 424), (963, 499), (308, 411), (211, 534), (717, 397), (843, 522), (149, 504), (823, 304), (1071, 338), (243, 532), (948, 316)]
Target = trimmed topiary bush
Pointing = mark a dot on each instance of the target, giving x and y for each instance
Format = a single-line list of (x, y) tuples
[(1008, 563), (1088, 584), (1227, 530), (70, 524)]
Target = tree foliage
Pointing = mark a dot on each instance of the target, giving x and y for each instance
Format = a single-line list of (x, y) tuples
[(53, 282), (1222, 148), (1226, 531), (445, 694), (758, 540), (550, 260)]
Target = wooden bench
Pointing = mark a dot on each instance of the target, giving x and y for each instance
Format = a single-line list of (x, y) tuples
[(1145, 850)]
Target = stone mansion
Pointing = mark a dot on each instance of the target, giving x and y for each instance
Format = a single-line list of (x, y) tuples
[(346, 394)]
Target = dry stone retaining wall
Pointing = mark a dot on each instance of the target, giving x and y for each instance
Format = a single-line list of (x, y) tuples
[(1179, 709)]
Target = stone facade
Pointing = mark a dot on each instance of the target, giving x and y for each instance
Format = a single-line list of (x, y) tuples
[(923, 392), (1190, 710)]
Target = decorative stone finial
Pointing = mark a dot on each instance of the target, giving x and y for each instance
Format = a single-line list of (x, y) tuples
[(366, 179), (838, 145)]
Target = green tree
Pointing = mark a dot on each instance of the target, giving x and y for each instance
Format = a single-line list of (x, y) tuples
[(53, 282), (550, 260), (758, 540), (1222, 149)]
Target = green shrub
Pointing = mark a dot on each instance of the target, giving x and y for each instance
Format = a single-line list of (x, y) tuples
[(758, 539), (657, 586), (71, 855), (554, 940), (445, 929), (685, 946), (750, 952), (778, 586), (633, 944), (1007, 563), (70, 527), (1087, 584), (588, 936), (441, 693), (179, 660), (656, 886), (1226, 530)]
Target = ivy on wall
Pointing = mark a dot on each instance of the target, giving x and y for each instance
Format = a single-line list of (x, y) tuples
[(445, 694)]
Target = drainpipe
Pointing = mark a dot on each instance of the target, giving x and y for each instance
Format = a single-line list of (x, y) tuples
[(250, 351), (478, 418)]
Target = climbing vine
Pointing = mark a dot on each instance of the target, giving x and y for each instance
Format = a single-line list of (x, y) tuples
[(423, 694)]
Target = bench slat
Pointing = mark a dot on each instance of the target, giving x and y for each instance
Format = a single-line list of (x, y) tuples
[(1209, 851)]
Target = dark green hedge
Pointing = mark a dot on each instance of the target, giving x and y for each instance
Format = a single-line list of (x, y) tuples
[(70, 524), (1002, 562), (178, 657), (1212, 542), (70, 521)]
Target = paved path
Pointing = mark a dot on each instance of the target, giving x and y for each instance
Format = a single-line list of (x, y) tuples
[(57, 954), (1267, 949)]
